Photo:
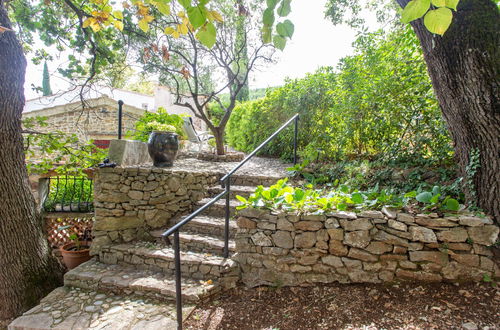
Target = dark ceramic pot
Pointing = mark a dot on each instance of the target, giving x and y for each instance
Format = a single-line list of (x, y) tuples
[(163, 147)]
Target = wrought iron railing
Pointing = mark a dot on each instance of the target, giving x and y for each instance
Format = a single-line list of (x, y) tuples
[(226, 184), (69, 194)]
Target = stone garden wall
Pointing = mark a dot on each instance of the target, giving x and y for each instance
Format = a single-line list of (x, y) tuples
[(130, 201), (371, 246)]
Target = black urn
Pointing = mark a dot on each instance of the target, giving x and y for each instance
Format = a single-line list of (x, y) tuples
[(163, 147)]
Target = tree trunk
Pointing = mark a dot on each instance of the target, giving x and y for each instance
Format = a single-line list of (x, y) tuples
[(464, 67), (27, 268), (219, 140)]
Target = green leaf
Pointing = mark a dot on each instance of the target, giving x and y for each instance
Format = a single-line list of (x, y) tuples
[(342, 206), (411, 194), (207, 35), (279, 42), (289, 198), (415, 9), (357, 198), (284, 9), (438, 3), (185, 3), (197, 16), (268, 18), (298, 195), (438, 21), (436, 190), (266, 194), (435, 198), (452, 4), (241, 199), (285, 29), (163, 7), (143, 25), (271, 3), (452, 204), (424, 197)]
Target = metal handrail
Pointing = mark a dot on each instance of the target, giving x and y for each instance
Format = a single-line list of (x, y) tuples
[(226, 184)]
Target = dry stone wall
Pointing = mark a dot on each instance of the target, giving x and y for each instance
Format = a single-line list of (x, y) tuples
[(130, 201), (371, 246)]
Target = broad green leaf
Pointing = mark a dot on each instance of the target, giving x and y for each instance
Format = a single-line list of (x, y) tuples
[(424, 197), (268, 18), (299, 194), (438, 3), (118, 14), (438, 21), (241, 199), (415, 9), (285, 29), (163, 7), (266, 194), (289, 198), (207, 35), (452, 4), (436, 190), (279, 42), (284, 9), (411, 194), (357, 198), (274, 192), (435, 198), (271, 3), (452, 204), (342, 206), (185, 3), (197, 16), (143, 25)]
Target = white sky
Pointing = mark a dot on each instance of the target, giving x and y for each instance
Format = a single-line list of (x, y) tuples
[(315, 43)]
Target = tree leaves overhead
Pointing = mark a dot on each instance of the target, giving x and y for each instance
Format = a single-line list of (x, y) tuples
[(285, 29), (207, 35), (284, 9), (197, 16), (279, 42), (437, 21), (415, 9), (268, 18)]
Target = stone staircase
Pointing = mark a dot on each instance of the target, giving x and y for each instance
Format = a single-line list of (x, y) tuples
[(132, 286)]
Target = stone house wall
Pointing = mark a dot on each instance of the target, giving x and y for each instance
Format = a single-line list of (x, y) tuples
[(131, 201), (371, 246)]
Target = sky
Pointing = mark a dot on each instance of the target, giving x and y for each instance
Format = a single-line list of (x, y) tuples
[(315, 43)]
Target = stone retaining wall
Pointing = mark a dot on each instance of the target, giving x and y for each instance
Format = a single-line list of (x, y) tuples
[(130, 201), (288, 249)]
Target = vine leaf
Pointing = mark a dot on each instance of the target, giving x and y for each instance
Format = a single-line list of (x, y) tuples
[(415, 9), (279, 42), (285, 29), (438, 21)]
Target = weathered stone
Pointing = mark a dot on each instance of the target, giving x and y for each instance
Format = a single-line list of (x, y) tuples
[(359, 224), (336, 234), (408, 218), (386, 276), (322, 235), (322, 245), (308, 225), (117, 223), (313, 217), (300, 268), (415, 246), (466, 259), (378, 247), (372, 266), (361, 255), (344, 215), (251, 212), (399, 250), (305, 240), (283, 224), (474, 221), (399, 233), (390, 239), (360, 276), (332, 261), (332, 223), (485, 235), (309, 260), (431, 267), (352, 264), (275, 251), (152, 185), (159, 219), (261, 239), (407, 264), (482, 250), (266, 225), (173, 183), (423, 234), (452, 235), (371, 214), (246, 223), (459, 246), (397, 225), (429, 222), (283, 239), (391, 214), (418, 276), (135, 194), (320, 268), (432, 256), (337, 248), (487, 264), (393, 257), (359, 239)]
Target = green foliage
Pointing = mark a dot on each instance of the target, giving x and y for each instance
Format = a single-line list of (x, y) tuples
[(64, 191), (282, 196), (379, 105), (57, 150), (283, 30), (158, 121), (46, 81)]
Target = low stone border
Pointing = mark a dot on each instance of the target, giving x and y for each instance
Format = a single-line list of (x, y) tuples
[(290, 249), (228, 157)]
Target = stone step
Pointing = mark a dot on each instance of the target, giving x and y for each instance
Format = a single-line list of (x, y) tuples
[(253, 180), (204, 225), (219, 208), (160, 258), (244, 191), (199, 243), (75, 308), (122, 280)]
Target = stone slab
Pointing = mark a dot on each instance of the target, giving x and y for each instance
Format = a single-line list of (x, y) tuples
[(128, 153)]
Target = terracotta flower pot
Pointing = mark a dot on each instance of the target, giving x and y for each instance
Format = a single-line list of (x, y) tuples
[(73, 258), (163, 147)]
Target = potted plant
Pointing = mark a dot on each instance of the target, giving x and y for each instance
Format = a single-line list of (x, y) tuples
[(77, 251), (163, 145)]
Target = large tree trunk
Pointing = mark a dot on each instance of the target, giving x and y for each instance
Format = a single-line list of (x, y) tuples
[(219, 140), (464, 67), (27, 268)]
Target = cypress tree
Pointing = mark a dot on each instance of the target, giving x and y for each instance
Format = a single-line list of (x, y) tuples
[(46, 81)]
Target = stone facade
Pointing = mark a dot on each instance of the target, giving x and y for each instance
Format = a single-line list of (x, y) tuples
[(131, 201), (371, 246)]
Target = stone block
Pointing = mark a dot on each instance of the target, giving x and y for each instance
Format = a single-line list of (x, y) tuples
[(332, 223), (432, 256), (283, 239), (371, 214), (359, 224), (337, 248), (246, 223), (407, 218), (466, 259), (343, 215), (127, 153), (352, 264), (361, 255), (359, 239), (284, 224), (439, 222), (336, 234), (305, 240), (485, 235), (418, 276), (378, 248), (397, 225), (407, 264), (390, 239), (423, 234), (399, 250), (117, 223), (261, 239), (332, 261), (308, 225), (453, 235), (474, 221)]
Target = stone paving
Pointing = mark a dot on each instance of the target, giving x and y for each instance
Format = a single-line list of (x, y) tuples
[(74, 308)]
